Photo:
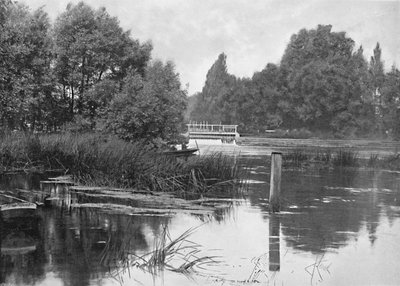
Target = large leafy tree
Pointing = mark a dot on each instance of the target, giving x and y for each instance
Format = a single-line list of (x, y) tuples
[(91, 46), (264, 110), (149, 107), (323, 91), (25, 80)]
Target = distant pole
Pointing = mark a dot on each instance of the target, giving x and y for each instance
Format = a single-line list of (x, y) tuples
[(275, 183)]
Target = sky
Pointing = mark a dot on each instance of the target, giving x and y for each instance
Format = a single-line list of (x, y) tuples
[(252, 33)]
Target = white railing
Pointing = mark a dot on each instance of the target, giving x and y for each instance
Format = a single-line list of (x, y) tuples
[(204, 127)]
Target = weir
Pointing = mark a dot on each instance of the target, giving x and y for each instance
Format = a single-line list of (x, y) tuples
[(203, 130)]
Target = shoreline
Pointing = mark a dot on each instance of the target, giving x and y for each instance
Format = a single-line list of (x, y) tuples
[(258, 146)]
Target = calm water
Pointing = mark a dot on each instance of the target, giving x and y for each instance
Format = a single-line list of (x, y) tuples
[(337, 227)]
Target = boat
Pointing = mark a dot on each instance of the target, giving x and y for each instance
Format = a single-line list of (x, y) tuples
[(13, 207)]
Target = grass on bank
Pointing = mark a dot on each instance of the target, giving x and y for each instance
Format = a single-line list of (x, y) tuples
[(101, 160)]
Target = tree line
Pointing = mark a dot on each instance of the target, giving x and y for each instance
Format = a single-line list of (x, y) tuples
[(323, 84), (83, 72)]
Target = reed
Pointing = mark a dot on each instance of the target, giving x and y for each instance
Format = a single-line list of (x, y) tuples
[(373, 161), (178, 254), (103, 160), (296, 157), (321, 157), (345, 158)]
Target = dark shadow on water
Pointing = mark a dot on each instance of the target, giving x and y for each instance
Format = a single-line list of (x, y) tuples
[(22, 252), (78, 245)]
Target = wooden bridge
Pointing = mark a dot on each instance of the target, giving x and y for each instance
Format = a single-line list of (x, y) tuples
[(203, 130)]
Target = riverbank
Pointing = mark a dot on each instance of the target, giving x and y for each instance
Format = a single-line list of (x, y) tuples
[(265, 146), (103, 160), (315, 153)]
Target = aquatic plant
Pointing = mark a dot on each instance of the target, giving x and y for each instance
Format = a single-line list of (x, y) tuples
[(319, 157), (392, 161), (296, 157), (323, 155), (173, 254), (103, 160), (345, 158), (179, 254), (373, 160)]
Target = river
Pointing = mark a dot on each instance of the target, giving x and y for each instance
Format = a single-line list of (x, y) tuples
[(336, 227)]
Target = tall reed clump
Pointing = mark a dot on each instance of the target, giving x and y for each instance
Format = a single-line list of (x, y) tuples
[(106, 160), (296, 157), (392, 161), (19, 151), (345, 158), (321, 157), (179, 254)]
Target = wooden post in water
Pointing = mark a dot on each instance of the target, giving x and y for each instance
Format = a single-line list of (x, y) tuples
[(275, 182)]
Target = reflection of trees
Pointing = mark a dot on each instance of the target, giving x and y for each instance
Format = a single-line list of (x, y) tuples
[(20, 180), (86, 244), (22, 253), (80, 245), (331, 206)]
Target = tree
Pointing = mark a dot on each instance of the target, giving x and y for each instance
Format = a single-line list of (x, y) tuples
[(390, 103), (149, 107), (215, 93), (91, 46), (319, 67), (265, 111), (377, 79), (25, 79)]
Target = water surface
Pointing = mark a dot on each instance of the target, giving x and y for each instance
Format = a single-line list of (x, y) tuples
[(336, 227)]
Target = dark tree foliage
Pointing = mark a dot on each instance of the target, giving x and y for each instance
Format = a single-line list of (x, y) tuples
[(83, 73), (149, 107), (324, 80), (215, 95), (25, 77), (390, 103), (91, 46), (322, 84)]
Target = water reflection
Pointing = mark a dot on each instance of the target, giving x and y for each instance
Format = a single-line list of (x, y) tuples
[(274, 243), (22, 255), (324, 209), (326, 215), (81, 244)]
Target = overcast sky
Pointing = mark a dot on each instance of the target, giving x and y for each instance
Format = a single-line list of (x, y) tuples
[(252, 33)]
